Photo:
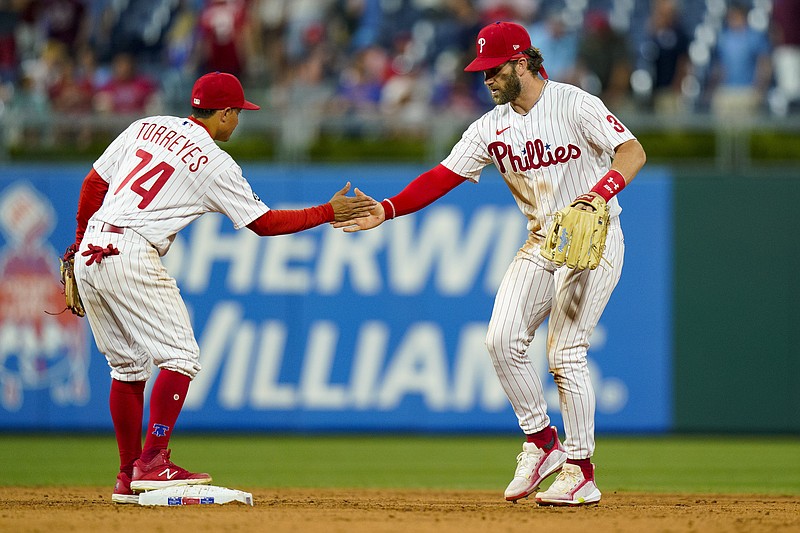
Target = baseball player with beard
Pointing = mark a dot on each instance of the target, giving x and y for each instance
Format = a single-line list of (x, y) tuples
[(552, 143), (155, 178)]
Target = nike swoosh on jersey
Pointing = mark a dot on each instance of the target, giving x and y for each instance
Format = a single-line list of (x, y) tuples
[(498, 132)]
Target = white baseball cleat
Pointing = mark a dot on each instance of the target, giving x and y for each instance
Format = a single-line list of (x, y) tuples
[(533, 466), (570, 488)]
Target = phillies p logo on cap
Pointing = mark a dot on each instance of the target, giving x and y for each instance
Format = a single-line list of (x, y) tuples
[(497, 43)]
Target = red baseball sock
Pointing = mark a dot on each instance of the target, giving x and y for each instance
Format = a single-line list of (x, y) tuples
[(127, 405), (544, 439), (166, 402), (586, 467)]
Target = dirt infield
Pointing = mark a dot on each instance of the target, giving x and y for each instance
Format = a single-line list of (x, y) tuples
[(81, 509)]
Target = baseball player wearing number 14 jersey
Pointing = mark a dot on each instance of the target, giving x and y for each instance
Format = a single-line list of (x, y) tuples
[(553, 143), (154, 179)]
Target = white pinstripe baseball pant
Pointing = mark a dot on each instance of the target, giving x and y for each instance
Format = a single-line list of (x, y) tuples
[(531, 290), (134, 308)]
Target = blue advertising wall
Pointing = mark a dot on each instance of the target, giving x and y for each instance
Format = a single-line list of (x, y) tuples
[(325, 331)]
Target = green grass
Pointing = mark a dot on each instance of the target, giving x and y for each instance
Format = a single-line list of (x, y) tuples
[(651, 464)]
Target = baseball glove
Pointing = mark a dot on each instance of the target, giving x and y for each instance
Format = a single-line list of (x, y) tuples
[(71, 295), (577, 237)]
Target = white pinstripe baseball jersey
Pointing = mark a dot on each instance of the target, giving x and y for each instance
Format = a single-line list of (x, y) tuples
[(164, 172), (549, 156)]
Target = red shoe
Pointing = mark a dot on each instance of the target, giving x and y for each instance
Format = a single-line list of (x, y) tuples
[(161, 472), (122, 490)]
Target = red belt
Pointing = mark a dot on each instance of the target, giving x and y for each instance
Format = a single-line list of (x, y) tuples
[(111, 228)]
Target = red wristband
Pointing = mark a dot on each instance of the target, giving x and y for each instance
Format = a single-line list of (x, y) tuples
[(387, 207), (609, 185)]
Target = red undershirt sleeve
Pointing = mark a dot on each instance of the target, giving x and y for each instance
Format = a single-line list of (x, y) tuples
[(284, 221), (93, 191), (422, 191)]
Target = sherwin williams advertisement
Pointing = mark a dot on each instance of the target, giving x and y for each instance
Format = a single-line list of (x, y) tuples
[(326, 331)]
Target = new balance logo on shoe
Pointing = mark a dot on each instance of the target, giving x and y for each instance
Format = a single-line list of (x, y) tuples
[(160, 472), (169, 473)]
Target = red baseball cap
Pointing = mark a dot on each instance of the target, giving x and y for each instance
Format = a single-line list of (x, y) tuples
[(497, 43), (219, 90)]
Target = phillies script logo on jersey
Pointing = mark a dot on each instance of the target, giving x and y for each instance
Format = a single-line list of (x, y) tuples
[(536, 154)]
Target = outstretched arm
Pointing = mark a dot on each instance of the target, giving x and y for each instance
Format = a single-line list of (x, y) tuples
[(421, 192), (340, 207)]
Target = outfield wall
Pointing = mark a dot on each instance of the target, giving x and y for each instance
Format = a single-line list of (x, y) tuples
[(737, 303), (378, 331)]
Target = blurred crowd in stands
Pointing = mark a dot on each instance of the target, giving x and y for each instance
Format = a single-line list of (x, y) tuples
[(400, 60)]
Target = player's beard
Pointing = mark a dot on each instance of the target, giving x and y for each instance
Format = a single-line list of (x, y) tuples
[(511, 91)]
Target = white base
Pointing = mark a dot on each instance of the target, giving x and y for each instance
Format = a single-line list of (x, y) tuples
[(194, 495)]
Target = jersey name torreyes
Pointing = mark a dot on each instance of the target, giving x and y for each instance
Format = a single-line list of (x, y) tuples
[(164, 172), (536, 155), (187, 150)]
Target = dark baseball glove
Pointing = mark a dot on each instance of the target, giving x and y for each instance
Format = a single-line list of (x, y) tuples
[(71, 295), (577, 237)]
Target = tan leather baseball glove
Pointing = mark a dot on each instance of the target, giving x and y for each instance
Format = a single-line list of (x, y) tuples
[(577, 237), (71, 295)]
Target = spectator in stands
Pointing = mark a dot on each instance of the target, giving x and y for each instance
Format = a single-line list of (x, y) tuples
[(558, 44), (455, 24), (71, 93), (604, 63), (269, 24), (664, 54), (91, 69), (63, 21), (28, 116), (457, 97), (44, 70), (104, 21), (494, 10), (10, 16), (303, 94), (406, 99), (128, 91), (361, 82), (180, 55), (741, 71), (71, 96), (304, 26), (786, 53), (398, 20), (225, 37)]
